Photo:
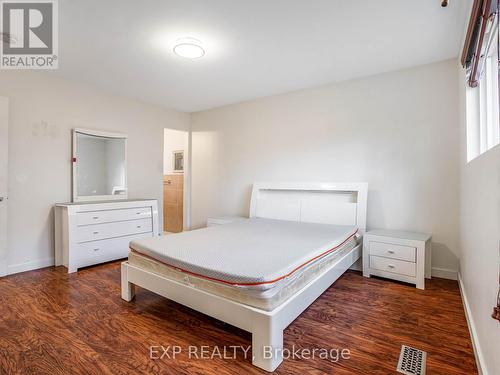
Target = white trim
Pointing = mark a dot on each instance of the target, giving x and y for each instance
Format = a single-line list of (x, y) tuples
[(187, 184), (29, 266), (101, 133), (4, 270), (4, 188), (472, 329), (444, 273)]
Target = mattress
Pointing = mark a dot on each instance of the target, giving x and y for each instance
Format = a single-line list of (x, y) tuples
[(258, 262), (254, 252)]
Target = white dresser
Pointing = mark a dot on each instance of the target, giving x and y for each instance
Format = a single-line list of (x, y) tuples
[(88, 233), (398, 255)]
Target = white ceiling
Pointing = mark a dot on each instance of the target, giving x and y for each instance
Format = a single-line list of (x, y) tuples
[(254, 48)]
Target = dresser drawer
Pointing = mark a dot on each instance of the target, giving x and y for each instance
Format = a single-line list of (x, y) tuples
[(108, 216), (393, 265), (106, 250), (111, 230), (393, 251)]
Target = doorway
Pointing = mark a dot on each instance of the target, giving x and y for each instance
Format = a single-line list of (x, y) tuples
[(175, 181), (4, 130)]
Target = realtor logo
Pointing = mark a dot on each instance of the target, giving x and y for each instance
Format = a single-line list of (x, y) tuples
[(29, 31)]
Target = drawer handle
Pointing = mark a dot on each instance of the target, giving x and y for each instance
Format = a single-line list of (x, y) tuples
[(97, 249), (95, 217), (95, 232), (391, 266), (390, 251), (139, 226)]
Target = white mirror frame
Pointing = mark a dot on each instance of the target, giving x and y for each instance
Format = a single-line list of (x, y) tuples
[(88, 198)]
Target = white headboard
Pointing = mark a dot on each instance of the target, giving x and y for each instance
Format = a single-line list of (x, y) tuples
[(320, 202)]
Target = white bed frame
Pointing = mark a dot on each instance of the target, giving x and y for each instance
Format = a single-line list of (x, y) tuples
[(331, 203)]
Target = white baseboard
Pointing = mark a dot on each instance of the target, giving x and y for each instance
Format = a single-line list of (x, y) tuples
[(3, 268), (444, 273), (29, 266), (472, 329)]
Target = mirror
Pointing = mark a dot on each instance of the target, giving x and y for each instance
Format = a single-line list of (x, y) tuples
[(99, 165)]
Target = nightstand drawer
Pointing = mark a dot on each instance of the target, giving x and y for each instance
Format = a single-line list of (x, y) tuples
[(393, 251), (393, 265)]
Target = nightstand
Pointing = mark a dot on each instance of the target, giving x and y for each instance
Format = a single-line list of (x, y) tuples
[(221, 220), (398, 255)]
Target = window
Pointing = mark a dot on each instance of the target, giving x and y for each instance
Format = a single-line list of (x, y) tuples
[(483, 117), (488, 98)]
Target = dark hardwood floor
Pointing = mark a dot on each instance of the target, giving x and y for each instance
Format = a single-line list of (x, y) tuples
[(55, 323)]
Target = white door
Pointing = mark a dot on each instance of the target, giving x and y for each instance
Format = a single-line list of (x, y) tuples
[(4, 117)]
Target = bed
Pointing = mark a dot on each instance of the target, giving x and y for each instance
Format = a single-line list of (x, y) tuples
[(258, 274)]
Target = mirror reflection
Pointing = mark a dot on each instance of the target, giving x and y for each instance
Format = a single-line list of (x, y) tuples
[(100, 165)]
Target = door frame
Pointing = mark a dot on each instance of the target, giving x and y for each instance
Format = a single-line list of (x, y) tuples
[(186, 215), (4, 154)]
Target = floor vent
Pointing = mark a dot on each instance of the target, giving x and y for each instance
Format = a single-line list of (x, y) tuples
[(411, 361)]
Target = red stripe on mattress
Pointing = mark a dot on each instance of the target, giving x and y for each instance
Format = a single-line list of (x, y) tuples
[(249, 284)]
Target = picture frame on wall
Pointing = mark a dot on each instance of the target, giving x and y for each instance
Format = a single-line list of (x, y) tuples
[(178, 161)]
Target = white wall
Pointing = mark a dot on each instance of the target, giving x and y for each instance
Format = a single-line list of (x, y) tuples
[(43, 111), (480, 241), (397, 131)]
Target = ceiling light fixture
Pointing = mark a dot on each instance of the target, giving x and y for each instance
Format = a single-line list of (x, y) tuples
[(189, 48)]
